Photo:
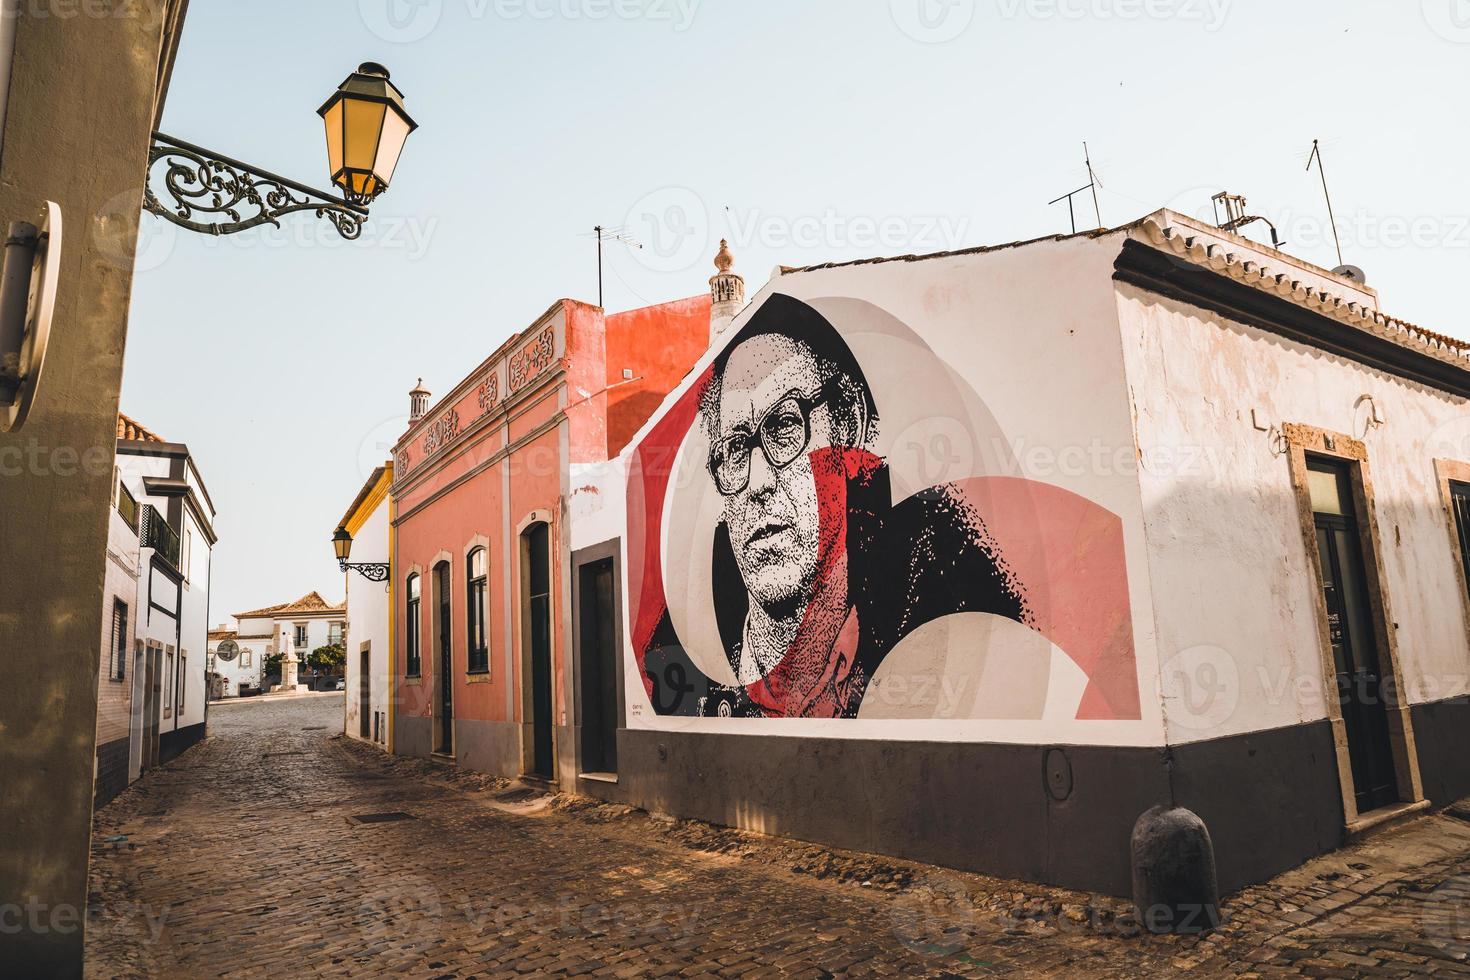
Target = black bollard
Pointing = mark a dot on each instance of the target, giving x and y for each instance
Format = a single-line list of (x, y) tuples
[(1174, 884)]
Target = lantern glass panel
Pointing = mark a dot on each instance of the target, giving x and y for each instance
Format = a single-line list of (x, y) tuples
[(333, 119), (363, 131), (395, 134)]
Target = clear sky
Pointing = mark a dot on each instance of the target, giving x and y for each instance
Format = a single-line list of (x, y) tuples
[(802, 130)]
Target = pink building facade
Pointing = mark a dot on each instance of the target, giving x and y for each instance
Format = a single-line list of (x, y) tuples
[(485, 488)]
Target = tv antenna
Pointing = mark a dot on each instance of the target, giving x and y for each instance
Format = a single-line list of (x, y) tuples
[(1092, 185), (610, 235), (1236, 217), (1317, 156)]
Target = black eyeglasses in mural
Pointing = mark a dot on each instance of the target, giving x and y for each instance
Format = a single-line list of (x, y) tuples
[(783, 434)]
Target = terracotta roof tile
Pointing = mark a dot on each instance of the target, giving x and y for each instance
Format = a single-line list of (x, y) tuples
[(130, 431), (309, 603)]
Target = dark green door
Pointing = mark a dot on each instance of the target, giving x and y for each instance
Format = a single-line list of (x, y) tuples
[(444, 631), (599, 669), (1350, 629), (539, 580)]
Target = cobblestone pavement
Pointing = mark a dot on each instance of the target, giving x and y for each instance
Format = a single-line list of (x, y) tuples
[(240, 858)]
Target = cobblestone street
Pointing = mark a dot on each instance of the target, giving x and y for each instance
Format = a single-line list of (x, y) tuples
[(244, 857)]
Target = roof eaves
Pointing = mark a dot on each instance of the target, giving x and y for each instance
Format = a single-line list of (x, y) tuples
[(1354, 314)]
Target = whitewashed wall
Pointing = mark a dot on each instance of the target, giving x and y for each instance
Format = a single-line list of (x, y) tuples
[(367, 618), (1235, 599)]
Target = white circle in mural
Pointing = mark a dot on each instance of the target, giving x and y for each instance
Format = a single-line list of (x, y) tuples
[(933, 21), (1201, 687), (670, 229)]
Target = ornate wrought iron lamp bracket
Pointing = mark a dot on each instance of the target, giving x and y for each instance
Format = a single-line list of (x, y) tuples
[(216, 195), (371, 572)]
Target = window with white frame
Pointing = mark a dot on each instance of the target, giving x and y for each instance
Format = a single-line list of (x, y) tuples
[(413, 624), (478, 655), (301, 636)]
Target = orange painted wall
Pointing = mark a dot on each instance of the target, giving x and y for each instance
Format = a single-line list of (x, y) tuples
[(468, 487), (659, 344)]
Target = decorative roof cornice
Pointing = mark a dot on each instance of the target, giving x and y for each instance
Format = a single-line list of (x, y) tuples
[(311, 603), (1217, 258)]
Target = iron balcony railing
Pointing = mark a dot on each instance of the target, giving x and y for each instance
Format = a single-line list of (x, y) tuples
[(127, 507), (157, 535)]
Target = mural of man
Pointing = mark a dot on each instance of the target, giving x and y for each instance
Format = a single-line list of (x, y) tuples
[(830, 575), (782, 569)]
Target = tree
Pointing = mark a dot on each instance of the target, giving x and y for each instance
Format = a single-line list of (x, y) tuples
[(327, 659), (271, 666)]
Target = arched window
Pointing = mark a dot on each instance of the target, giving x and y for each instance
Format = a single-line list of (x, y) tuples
[(478, 612), (413, 659)]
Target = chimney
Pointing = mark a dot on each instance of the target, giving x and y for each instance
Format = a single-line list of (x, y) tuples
[(418, 402), (727, 293)]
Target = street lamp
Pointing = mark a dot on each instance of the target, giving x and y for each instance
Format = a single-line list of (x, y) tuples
[(366, 129), (342, 544), (207, 192)]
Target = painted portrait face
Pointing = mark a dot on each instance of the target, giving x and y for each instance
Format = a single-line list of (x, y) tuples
[(771, 406)]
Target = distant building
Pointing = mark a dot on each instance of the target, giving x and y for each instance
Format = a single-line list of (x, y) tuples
[(152, 689), (487, 487), (368, 711), (310, 622), (240, 671)]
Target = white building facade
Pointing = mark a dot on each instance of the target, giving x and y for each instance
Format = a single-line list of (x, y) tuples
[(306, 624), (237, 671), (1155, 515), (369, 611), (152, 684)]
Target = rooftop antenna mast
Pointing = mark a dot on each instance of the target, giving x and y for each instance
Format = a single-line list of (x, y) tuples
[(1317, 156), (1092, 182), (1091, 185), (609, 235)]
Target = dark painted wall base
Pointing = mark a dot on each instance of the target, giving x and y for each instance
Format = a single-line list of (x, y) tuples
[(412, 736), (112, 771), (1061, 815), (488, 746), (1271, 799), (172, 744), (1056, 814), (1442, 732)]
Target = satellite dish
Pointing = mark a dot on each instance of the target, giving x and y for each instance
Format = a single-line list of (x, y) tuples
[(1351, 272), (227, 650)]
